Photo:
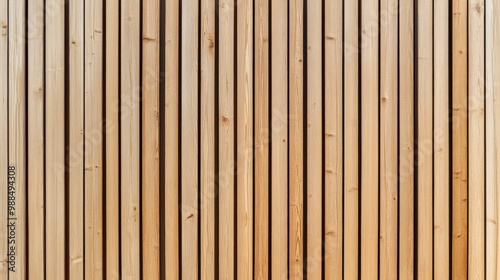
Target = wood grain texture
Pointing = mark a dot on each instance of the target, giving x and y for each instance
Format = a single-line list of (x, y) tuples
[(296, 139), (172, 139), (36, 142), (459, 136), (389, 98), (4, 128), (442, 149), (55, 190), (130, 139), (314, 139), (406, 140)]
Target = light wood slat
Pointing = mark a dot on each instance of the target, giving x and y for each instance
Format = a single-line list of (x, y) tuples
[(424, 143), (441, 141), (476, 136), (351, 139), (492, 139), (35, 145), (54, 132), (130, 139), (207, 172), (389, 140), (314, 139), (279, 140), (94, 98), (459, 142), (406, 140), (370, 139), (150, 139), (296, 134), (189, 139), (172, 140), (244, 137), (112, 140), (4, 126), (333, 140), (76, 140), (261, 145), (226, 139)]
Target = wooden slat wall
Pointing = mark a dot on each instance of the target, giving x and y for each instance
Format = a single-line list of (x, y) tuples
[(250, 139)]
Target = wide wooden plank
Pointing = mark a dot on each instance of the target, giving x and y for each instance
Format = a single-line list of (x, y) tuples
[(351, 139), (424, 142), (333, 169), (476, 136), (150, 139), (112, 140), (189, 139), (279, 140), (207, 148), (389, 141), (36, 184), (226, 139), (4, 127), (244, 136), (441, 141), (94, 98), (406, 140), (261, 142), (459, 136), (314, 139), (130, 139), (296, 139), (370, 139), (54, 132), (172, 139)]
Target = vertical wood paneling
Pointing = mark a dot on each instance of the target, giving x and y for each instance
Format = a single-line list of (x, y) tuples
[(35, 121), (54, 147), (244, 139), (4, 127), (296, 139), (171, 139), (442, 227), (130, 139), (207, 150)]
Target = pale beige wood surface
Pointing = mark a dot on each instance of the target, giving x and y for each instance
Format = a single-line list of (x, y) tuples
[(4, 125), (55, 190), (296, 140)]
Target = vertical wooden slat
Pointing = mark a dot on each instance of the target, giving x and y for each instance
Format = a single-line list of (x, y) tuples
[(424, 142), (94, 98), (333, 139), (492, 139), (36, 84), (406, 140), (54, 132), (130, 139), (150, 139), (476, 134), (370, 139), (296, 134), (351, 139), (112, 140), (207, 151), (189, 139), (261, 146), (314, 139), (441, 141), (279, 140), (244, 137), (76, 140), (459, 136), (171, 139), (4, 126), (226, 139), (389, 140)]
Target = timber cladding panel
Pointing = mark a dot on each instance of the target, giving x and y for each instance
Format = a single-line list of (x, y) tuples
[(249, 139)]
